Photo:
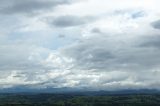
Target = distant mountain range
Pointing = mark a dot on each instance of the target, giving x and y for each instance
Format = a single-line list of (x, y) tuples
[(78, 91), (20, 89)]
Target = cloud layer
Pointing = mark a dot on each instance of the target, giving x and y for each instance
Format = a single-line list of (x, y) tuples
[(101, 45)]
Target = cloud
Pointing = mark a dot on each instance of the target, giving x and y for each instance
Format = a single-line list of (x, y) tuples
[(156, 24), (69, 21), (15, 57), (89, 54), (96, 30), (29, 6), (96, 53), (151, 42), (113, 46), (132, 13)]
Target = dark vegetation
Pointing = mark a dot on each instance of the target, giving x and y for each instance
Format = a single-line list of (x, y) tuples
[(79, 100)]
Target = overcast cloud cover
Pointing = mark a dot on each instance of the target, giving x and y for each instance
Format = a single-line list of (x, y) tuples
[(93, 44)]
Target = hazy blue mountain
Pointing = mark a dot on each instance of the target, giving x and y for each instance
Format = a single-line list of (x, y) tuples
[(22, 89)]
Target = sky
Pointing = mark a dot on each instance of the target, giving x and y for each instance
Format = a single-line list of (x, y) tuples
[(87, 44)]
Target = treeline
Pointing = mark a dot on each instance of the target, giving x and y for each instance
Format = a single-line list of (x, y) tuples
[(77, 100)]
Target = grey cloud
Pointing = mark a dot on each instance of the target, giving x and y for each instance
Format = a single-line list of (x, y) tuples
[(96, 30), (156, 24), (28, 6), (69, 21), (98, 54), (90, 54), (151, 41)]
